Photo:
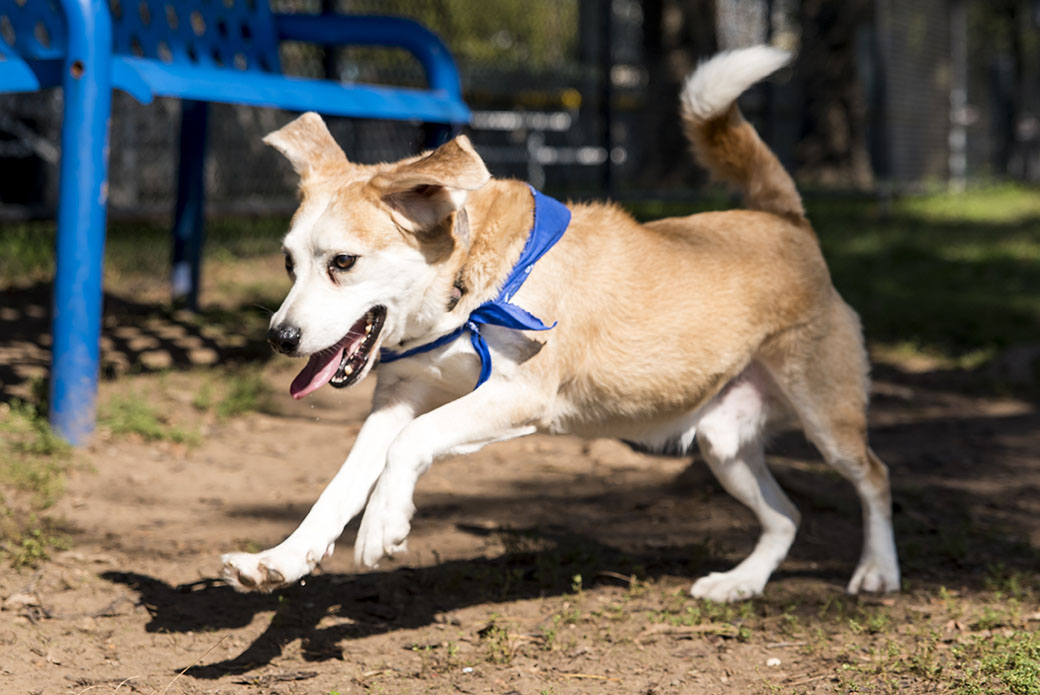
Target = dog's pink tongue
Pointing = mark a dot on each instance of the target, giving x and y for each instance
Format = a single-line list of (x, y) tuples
[(319, 370)]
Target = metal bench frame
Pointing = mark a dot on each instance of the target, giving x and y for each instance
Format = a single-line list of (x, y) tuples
[(200, 51)]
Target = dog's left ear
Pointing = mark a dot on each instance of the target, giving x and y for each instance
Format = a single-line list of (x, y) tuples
[(424, 192), (308, 145)]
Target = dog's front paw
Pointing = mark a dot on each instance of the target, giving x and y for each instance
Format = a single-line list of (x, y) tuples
[(383, 530), (875, 575), (726, 587), (269, 570)]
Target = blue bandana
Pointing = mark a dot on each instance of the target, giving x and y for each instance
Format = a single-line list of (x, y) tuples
[(551, 218)]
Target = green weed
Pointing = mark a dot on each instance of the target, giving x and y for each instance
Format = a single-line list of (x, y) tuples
[(550, 633), (1003, 664), (26, 430), (499, 647), (133, 414), (203, 399), (35, 543), (33, 463), (246, 392)]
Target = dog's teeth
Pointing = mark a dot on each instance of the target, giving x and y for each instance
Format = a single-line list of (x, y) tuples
[(349, 369), (368, 328)]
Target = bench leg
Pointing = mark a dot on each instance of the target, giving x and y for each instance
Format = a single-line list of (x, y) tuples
[(76, 320), (188, 216)]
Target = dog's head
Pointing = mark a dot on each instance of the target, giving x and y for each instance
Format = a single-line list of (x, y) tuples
[(364, 249)]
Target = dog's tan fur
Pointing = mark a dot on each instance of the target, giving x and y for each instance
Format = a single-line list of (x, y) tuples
[(655, 321)]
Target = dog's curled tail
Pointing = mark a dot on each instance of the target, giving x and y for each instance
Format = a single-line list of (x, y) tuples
[(724, 142)]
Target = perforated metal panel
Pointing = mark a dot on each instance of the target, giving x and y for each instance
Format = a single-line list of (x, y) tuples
[(236, 34), (33, 29)]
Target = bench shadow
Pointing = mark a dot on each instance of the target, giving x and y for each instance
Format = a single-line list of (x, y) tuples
[(137, 337)]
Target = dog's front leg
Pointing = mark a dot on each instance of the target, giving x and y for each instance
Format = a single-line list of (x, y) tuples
[(493, 413), (341, 500)]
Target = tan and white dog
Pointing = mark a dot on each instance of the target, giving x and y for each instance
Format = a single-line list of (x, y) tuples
[(701, 328)]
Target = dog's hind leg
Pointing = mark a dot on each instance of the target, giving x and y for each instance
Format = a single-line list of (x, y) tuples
[(824, 378), (730, 434)]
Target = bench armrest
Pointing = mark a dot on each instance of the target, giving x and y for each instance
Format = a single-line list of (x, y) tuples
[(369, 30)]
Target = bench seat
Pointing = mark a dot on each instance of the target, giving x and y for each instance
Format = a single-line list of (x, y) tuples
[(144, 78)]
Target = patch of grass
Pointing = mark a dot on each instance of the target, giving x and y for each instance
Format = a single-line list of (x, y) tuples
[(995, 204), (870, 621), (246, 392), (993, 617), (1007, 663), (687, 616), (437, 658), (27, 248), (1012, 582), (203, 399), (34, 543), (26, 430), (949, 276), (498, 645), (33, 464), (133, 414), (550, 633), (35, 458)]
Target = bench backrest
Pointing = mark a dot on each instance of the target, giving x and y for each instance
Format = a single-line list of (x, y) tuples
[(234, 34), (32, 29)]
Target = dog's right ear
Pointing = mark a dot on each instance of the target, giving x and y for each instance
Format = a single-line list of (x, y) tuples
[(308, 145), (422, 193)]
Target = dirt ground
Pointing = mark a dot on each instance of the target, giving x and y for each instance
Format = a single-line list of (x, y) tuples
[(543, 565)]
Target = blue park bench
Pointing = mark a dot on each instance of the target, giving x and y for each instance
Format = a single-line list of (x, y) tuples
[(199, 51)]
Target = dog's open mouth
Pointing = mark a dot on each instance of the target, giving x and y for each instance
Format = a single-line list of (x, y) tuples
[(342, 364)]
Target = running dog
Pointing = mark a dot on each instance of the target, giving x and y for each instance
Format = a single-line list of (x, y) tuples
[(497, 312)]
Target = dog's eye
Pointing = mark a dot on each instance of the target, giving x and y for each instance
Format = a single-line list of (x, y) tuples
[(288, 264), (344, 262)]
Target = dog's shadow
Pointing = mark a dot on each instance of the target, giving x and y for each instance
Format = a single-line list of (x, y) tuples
[(355, 606), (962, 504)]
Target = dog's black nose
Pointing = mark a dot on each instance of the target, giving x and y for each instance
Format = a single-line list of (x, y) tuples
[(284, 338)]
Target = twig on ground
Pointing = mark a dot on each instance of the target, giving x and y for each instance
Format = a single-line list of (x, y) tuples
[(200, 658), (377, 672), (124, 682), (662, 628), (628, 579), (271, 678), (590, 676), (778, 645), (92, 683), (810, 679), (106, 612)]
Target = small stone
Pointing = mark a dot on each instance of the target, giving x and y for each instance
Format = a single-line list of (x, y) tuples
[(19, 600), (772, 662)]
